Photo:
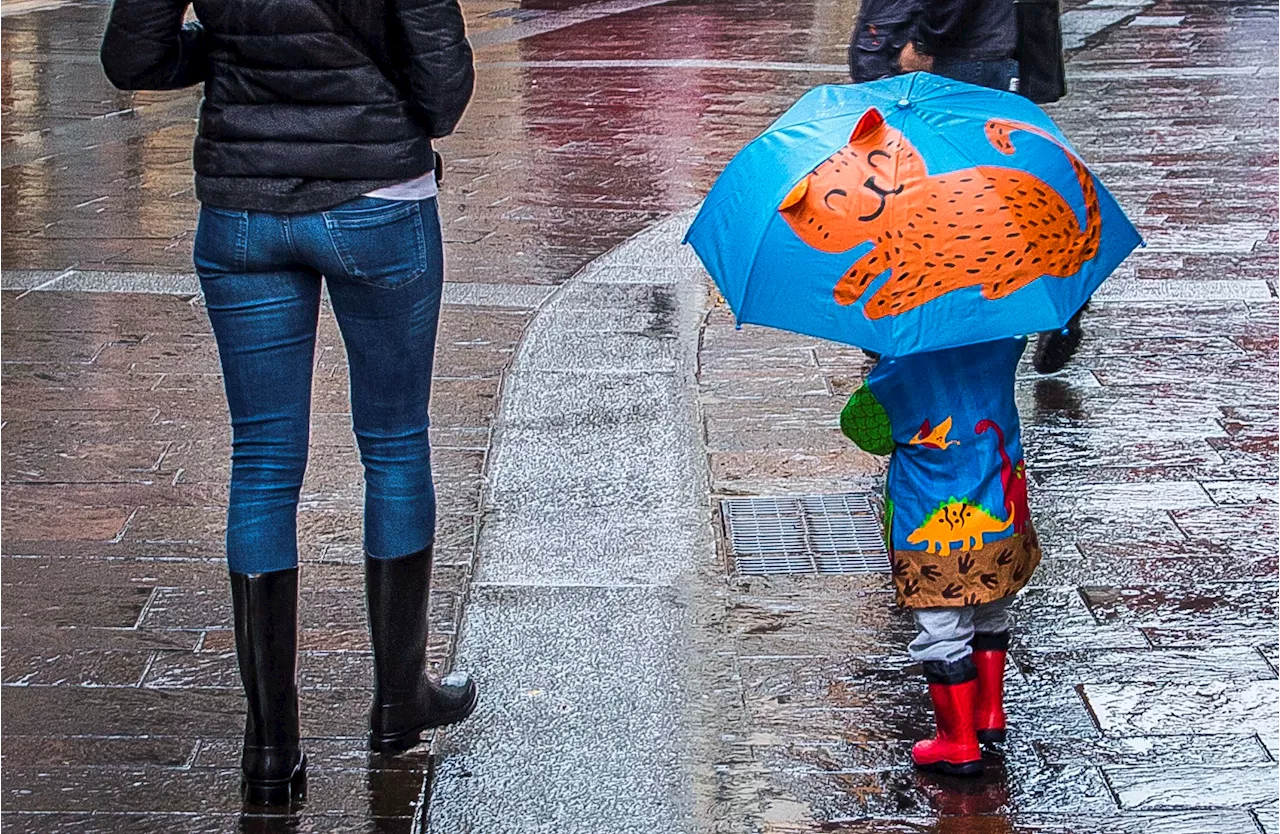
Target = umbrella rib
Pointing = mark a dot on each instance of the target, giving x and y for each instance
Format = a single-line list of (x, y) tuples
[(816, 120), (755, 252), (751, 270), (979, 115)]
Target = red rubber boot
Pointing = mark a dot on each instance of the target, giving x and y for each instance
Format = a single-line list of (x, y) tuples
[(989, 653), (954, 751)]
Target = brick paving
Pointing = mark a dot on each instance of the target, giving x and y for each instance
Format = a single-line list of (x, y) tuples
[(1143, 685), (121, 701), (1154, 458)]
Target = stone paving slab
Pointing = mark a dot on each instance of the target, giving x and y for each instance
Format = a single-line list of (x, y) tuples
[(1202, 822), (1146, 665), (587, 648), (203, 823), (581, 716), (1142, 690), (1213, 749), (1131, 709), (1164, 788)]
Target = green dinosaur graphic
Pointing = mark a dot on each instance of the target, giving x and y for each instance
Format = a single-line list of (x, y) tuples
[(866, 423)]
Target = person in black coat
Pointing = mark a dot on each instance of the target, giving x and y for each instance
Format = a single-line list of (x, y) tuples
[(297, 114), (969, 40), (314, 164)]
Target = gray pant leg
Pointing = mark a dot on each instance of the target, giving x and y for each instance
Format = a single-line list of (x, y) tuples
[(993, 617), (944, 634)]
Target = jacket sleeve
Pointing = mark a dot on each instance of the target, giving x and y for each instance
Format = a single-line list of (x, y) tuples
[(940, 22), (147, 47), (441, 75)]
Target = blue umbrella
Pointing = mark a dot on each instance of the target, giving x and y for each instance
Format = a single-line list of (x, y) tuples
[(907, 215)]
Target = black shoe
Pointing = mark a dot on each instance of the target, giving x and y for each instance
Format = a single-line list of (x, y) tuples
[(273, 768), (1055, 348), (406, 702)]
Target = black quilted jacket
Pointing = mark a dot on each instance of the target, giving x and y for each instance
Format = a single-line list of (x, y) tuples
[(296, 115)]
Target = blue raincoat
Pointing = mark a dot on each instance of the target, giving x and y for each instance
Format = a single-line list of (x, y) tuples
[(957, 522)]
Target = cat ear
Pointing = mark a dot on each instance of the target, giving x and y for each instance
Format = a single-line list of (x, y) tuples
[(870, 121), (796, 195)]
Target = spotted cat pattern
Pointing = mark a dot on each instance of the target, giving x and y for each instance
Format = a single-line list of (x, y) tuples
[(988, 226)]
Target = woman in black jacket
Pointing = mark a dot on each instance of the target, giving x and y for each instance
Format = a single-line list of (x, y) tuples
[(314, 158)]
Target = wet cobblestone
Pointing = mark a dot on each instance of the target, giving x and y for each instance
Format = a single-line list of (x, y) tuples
[(115, 456), (1142, 691), (1148, 670)]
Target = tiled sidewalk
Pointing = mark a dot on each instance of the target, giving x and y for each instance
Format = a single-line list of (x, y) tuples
[(1143, 691), (121, 703)]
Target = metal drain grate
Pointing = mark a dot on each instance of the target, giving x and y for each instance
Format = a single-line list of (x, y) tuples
[(805, 534)]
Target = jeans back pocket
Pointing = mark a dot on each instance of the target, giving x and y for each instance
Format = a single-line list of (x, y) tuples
[(222, 242), (379, 242)]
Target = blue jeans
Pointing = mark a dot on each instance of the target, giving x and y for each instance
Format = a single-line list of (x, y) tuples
[(994, 74), (261, 276)]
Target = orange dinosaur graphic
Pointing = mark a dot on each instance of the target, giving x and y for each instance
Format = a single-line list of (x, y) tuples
[(997, 228), (934, 438), (957, 521)]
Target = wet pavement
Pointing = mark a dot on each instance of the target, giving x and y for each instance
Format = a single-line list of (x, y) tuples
[(121, 705), (1144, 686), (1142, 692)]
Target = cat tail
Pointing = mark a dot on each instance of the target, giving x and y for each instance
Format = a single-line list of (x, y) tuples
[(998, 133)]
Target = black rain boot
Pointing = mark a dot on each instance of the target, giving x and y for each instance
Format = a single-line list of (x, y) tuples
[(405, 701), (273, 768), (1055, 348)]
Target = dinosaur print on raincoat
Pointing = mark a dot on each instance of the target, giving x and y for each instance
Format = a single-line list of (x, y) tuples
[(1013, 477), (934, 437), (957, 521)]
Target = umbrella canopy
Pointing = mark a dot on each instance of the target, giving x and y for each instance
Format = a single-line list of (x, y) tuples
[(907, 215)]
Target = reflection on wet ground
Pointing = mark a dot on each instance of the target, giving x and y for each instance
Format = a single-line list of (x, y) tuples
[(122, 709), (1145, 677), (1143, 689)]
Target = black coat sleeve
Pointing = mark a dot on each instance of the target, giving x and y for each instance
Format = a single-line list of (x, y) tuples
[(147, 46), (940, 22), (441, 74)]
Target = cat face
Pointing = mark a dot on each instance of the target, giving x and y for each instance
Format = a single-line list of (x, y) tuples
[(848, 199)]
